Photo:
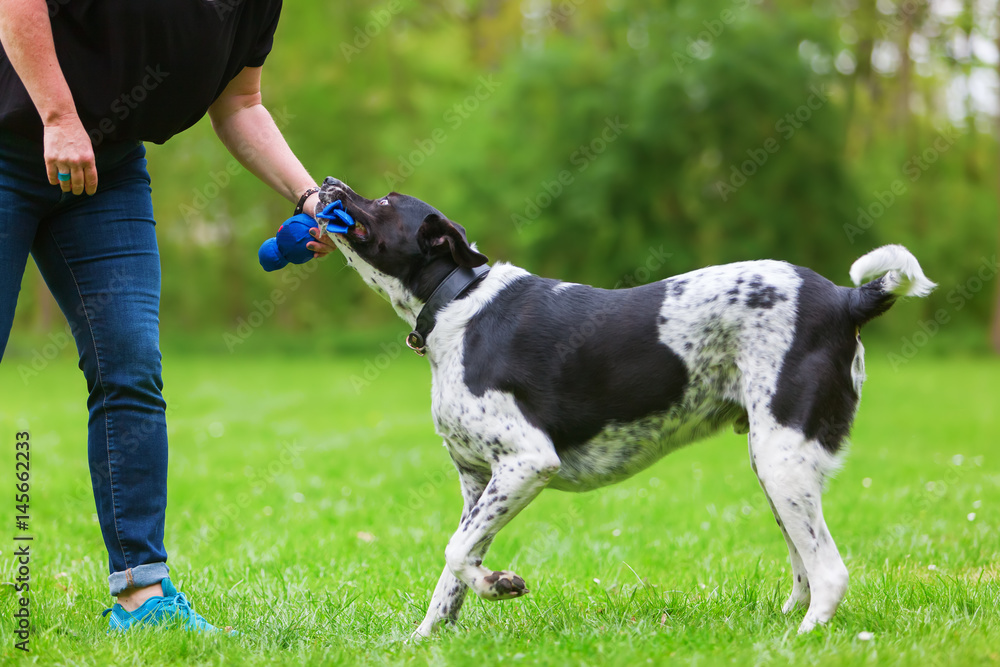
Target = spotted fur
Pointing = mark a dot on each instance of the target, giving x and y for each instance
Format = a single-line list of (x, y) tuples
[(542, 384)]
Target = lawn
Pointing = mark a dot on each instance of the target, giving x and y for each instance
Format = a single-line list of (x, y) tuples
[(310, 510)]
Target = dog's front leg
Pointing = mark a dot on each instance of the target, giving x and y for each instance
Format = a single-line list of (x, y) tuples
[(518, 477), (449, 594)]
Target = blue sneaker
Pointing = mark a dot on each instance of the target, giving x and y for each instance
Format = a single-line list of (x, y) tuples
[(172, 608)]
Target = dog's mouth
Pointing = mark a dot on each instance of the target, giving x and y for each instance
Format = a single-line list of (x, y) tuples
[(355, 229), (335, 191), (358, 232)]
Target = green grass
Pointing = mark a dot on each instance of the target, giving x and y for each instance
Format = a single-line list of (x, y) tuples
[(313, 517)]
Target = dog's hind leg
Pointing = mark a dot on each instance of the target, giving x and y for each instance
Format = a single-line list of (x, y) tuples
[(791, 468), (519, 475), (449, 594), (800, 578)]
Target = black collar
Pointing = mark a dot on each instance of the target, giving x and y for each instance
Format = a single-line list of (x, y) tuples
[(452, 287)]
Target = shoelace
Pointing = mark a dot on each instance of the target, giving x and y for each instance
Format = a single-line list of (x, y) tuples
[(175, 605), (179, 604)]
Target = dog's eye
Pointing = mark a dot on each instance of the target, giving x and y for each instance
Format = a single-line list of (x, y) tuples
[(383, 202)]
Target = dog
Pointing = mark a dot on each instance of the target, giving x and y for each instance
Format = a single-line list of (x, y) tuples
[(538, 383)]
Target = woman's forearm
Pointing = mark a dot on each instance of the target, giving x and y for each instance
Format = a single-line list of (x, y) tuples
[(26, 35), (252, 136)]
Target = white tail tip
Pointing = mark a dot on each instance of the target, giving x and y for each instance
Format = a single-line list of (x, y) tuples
[(904, 277)]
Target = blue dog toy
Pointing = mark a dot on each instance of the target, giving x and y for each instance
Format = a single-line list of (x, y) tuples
[(331, 214), (289, 244)]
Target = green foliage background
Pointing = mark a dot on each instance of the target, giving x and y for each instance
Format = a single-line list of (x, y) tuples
[(481, 107), (506, 116)]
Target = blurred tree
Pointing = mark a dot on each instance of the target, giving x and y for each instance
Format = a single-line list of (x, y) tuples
[(704, 132), (995, 337), (612, 143)]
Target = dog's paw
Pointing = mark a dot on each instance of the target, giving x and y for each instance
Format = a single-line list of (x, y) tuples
[(501, 586), (420, 634), (807, 625)]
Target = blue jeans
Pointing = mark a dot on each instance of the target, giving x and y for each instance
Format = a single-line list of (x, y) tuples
[(99, 258)]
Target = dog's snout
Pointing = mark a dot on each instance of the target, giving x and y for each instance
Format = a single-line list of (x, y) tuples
[(333, 189), (335, 186)]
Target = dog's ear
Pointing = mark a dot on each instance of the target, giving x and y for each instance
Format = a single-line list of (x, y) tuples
[(438, 235)]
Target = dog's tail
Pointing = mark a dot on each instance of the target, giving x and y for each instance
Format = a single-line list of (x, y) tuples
[(893, 271)]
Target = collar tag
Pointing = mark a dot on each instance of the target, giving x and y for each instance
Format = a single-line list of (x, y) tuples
[(415, 342)]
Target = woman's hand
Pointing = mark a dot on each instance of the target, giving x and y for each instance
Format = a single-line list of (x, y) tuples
[(68, 150), (26, 36), (321, 246)]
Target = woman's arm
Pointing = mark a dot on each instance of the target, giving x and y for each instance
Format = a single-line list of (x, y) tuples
[(26, 35), (248, 131)]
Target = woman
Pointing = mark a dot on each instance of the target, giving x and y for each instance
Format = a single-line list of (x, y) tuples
[(82, 84)]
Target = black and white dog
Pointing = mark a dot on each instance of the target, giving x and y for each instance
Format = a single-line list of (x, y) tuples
[(539, 383)]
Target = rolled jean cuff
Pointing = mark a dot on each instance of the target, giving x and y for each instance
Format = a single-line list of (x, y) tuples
[(137, 577)]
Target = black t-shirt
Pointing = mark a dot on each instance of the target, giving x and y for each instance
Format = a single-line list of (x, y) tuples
[(144, 69)]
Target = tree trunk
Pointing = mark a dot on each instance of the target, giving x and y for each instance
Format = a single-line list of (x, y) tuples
[(905, 70), (995, 329)]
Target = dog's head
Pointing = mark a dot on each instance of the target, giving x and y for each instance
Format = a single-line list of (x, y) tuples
[(402, 247)]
